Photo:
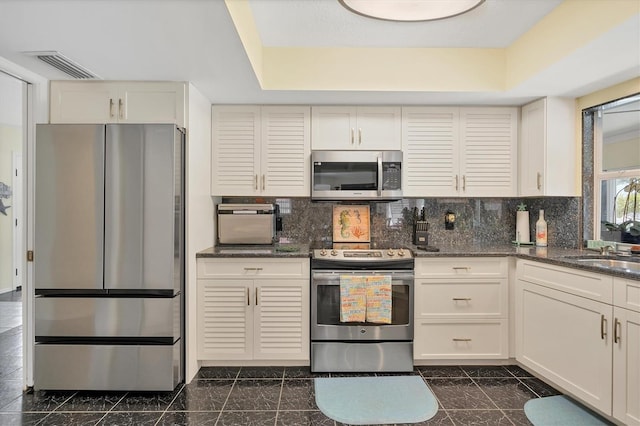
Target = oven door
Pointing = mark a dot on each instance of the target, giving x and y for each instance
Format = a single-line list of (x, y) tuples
[(325, 309)]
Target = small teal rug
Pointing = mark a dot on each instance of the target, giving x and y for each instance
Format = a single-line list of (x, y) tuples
[(560, 410), (375, 400)]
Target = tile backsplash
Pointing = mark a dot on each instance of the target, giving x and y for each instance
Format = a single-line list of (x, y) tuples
[(478, 220)]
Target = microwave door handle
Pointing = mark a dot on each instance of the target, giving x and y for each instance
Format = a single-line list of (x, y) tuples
[(379, 175)]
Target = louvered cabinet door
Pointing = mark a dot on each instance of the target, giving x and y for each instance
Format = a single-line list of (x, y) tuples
[(430, 145), (281, 322), (225, 319), (286, 147), (489, 138), (235, 162)]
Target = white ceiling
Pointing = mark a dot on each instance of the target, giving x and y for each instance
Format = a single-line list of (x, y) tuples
[(495, 23), (196, 41)]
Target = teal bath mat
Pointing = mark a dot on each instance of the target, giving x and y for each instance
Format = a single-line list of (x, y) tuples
[(375, 400), (560, 410)]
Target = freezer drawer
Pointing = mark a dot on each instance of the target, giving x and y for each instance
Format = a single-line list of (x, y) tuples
[(107, 367), (107, 317)]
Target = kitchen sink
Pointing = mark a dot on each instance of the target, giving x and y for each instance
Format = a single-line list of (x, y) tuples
[(624, 265)]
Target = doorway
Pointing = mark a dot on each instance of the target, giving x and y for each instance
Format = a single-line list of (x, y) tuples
[(12, 143)]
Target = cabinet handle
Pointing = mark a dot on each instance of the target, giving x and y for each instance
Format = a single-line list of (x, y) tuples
[(359, 136), (456, 339), (539, 183), (461, 299), (603, 327), (120, 109), (255, 181), (257, 290), (456, 182), (464, 182), (616, 330), (111, 107), (263, 180), (466, 268), (352, 136), (248, 300)]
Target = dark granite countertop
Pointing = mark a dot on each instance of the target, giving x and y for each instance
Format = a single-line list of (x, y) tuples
[(277, 250), (557, 256)]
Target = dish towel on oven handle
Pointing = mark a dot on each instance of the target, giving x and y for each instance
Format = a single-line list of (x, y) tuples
[(353, 298), (365, 298), (379, 299)]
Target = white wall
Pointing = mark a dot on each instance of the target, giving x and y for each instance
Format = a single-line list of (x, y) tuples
[(11, 136), (199, 210)]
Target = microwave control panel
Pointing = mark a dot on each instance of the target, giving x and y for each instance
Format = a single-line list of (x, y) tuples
[(391, 176)]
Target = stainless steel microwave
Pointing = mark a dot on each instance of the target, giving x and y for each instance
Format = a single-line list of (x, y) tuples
[(356, 175)]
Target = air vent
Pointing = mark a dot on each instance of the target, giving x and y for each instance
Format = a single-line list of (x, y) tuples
[(64, 64)]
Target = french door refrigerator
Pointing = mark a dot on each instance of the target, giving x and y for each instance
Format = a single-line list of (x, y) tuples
[(109, 257)]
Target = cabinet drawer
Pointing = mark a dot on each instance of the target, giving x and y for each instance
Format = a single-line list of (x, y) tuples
[(461, 267), (574, 281), (487, 339), (626, 294), (253, 267), (486, 298)]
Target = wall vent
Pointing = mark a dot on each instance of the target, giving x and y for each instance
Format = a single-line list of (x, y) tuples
[(64, 64)]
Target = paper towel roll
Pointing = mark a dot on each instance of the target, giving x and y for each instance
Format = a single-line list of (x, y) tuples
[(522, 227)]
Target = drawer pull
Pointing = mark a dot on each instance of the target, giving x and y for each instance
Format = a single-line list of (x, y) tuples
[(465, 268), (616, 331), (455, 339), (603, 327), (253, 269), (461, 299)]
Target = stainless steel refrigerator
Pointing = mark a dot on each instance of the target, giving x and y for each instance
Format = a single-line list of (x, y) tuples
[(109, 257)]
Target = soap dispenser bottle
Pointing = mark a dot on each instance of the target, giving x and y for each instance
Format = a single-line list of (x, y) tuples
[(541, 231)]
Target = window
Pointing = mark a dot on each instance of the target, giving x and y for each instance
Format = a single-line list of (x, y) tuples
[(617, 170)]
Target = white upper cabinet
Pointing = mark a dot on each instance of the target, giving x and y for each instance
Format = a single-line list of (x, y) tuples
[(351, 127), (431, 148), (489, 142), (260, 151), (548, 148), (453, 151), (117, 102)]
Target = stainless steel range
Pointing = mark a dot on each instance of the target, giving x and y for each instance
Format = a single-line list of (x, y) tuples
[(361, 346)]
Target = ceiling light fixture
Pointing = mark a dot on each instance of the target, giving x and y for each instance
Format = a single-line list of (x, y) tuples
[(410, 10)]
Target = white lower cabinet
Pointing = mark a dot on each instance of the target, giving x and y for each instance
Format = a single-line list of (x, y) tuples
[(461, 308), (587, 347), (248, 311), (626, 351)]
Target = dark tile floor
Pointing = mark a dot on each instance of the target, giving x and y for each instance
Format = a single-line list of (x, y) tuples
[(254, 396)]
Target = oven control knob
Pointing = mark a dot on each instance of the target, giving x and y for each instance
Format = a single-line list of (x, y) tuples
[(323, 252), (390, 252), (362, 331), (400, 252), (334, 252)]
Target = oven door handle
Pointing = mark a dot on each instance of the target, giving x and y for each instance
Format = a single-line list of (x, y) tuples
[(379, 175)]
